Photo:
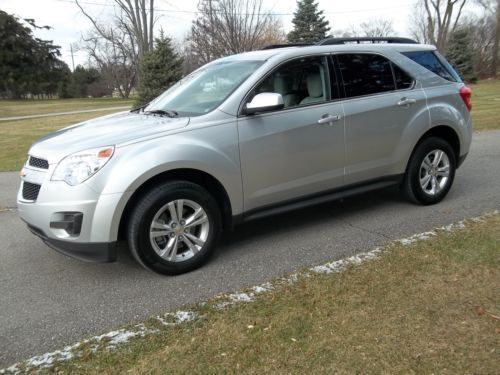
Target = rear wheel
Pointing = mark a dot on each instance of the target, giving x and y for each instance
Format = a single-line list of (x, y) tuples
[(430, 172), (174, 228)]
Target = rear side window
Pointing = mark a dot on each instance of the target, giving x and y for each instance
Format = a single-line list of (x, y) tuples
[(430, 61), (365, 74)]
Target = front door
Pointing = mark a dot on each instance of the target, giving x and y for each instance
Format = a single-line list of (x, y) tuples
[(296, 151)]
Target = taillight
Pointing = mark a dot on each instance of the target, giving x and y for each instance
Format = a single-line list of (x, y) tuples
[(465, 94)]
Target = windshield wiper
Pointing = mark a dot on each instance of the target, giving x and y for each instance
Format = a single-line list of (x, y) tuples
[(140, 108), (162, 112)]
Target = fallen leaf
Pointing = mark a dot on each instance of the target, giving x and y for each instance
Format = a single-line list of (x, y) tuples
[(294, 340), (479, 310)]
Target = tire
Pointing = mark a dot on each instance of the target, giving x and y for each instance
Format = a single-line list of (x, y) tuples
[(430, 172), (176, 243)]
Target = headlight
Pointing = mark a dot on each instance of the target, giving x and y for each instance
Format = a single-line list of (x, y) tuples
[(78, 167)]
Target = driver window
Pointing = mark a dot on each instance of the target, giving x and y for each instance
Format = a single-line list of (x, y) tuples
[(300, 82)]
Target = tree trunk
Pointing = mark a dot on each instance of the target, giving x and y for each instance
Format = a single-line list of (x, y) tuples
[(494, 61)]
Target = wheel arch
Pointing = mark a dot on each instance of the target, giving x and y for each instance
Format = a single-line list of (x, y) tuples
[(444, 132), (201, 178)]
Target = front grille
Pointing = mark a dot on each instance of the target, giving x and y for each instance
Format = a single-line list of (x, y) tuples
[(30, 191), (38, 163)]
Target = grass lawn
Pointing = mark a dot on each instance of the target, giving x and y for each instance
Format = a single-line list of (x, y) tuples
[(11, 108), (430, 307), (17, 136), (486, 105)]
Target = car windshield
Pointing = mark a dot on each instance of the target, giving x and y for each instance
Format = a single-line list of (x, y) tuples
[(205, 89)]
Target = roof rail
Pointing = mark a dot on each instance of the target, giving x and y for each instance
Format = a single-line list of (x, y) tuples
[(272, 46), (373, 40)]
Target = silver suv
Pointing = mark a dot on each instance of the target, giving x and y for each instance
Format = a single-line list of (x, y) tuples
[(247, 136)]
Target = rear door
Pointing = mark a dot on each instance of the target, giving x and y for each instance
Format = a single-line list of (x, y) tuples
[(381, 101), (297, 151)]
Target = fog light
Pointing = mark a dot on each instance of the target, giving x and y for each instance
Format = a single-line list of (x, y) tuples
[(70, 222)]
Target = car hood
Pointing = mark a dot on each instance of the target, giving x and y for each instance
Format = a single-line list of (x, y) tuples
[(103, 131)]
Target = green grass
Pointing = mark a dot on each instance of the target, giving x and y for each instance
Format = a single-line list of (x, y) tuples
[(486, 105), (432, 307), (12, 108), (17, 136)]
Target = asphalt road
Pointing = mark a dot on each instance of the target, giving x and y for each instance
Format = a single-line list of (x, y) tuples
[(48, 300)]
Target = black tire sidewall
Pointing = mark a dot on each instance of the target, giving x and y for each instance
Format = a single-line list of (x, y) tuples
[(413, 187), (147, 208)]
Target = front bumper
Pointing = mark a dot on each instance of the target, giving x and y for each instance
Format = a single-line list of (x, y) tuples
[(77, 220), (93, 252)]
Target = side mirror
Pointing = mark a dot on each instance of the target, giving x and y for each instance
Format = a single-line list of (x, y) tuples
[(264, 102)]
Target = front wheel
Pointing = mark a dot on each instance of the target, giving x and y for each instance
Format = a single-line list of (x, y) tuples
[(174, 228), (430, 172)]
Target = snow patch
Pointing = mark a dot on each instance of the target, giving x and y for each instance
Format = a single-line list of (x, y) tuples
[(241, 297), (416, 237), (341, 264), (263, 288), (112, 340), (179, 317), (453, 226)]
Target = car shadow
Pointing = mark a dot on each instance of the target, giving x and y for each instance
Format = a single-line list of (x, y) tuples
[(297, 220)]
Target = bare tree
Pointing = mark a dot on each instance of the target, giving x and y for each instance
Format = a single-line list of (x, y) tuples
[(137, 17), (494, 65), (492, 8), (418, 26), (375, 27), (442, 17), (118, 48), (114, 53), (226, 27), (481, 30)]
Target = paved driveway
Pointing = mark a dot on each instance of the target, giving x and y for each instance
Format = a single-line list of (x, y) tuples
[(48, 300)]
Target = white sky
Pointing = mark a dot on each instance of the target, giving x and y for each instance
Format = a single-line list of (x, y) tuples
[(175, 16)]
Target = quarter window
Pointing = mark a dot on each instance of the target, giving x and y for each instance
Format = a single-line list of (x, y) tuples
[(365, 74), (430, 61)]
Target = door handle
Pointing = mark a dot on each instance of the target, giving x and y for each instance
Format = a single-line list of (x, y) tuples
[(405, 102), (327, 119)]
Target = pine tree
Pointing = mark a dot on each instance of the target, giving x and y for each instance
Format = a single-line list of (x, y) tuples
[(459, 54), (159, 70), (28, 65), (310, 25)]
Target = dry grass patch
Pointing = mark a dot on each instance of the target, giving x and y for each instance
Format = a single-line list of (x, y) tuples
[(16, 137), (486, 105), (431, 307), (12, 108)]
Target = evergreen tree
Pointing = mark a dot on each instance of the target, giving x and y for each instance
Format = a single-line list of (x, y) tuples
[(159, 70), (309, 24), (81, 79), (28, 65), (459, 54)]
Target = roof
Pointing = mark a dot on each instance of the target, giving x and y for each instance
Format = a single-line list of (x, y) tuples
[(266, 54)]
